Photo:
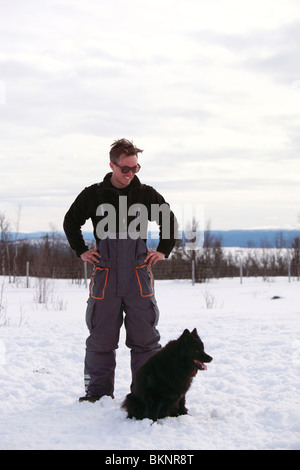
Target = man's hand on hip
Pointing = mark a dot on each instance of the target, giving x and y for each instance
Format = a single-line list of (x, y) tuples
[(91, 256), (154, 256)]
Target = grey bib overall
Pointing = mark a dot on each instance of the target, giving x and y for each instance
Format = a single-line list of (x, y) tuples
[(122, 287)]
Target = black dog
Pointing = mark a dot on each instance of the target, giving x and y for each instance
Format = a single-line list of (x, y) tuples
[(162, 382)]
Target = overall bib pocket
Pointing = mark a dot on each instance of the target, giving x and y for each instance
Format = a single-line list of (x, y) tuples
[(145, 280), (98, 283)]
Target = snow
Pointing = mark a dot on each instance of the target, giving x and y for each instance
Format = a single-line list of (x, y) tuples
[(247, 399)]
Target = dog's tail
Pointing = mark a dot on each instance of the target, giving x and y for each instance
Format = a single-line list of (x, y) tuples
[(134, 406)]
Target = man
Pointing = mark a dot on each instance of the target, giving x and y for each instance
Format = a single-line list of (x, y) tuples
[(122, 280)]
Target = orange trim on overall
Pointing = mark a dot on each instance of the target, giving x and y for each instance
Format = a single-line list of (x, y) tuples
[(92, 282), (152, 280)]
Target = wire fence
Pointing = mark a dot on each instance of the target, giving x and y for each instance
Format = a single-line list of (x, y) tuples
[(53, 258), (169, 270)]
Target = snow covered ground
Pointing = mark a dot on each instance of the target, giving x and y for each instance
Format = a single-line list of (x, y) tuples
[(247, 399)]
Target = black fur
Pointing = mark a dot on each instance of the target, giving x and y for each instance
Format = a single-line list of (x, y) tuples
[(162, 382)]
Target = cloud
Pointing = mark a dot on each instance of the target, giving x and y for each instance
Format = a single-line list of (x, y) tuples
[(206, 88), (272, 51)]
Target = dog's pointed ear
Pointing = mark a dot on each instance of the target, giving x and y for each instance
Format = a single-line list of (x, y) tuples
[(185, 334), (195, 334)]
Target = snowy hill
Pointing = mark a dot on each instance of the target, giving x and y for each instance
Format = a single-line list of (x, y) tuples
[(247, 399)]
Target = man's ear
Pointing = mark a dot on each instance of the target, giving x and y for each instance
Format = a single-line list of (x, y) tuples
[(111, 165)]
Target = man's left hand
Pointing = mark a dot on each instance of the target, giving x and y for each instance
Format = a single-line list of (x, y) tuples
[(154, 256)]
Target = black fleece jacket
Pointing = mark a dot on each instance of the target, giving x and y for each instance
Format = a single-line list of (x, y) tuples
[(85, 207)]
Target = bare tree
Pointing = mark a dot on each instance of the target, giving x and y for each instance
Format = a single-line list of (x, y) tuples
[(16, 234), (4, 244), (296, 256)]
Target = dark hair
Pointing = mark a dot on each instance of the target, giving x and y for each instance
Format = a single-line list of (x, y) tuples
[(122, 146)]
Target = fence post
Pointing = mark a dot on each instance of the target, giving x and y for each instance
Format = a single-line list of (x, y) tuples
[(241, 270), (241, 264), (27, 274), (193, 271)]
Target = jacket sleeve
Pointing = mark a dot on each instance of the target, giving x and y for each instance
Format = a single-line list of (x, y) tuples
[(75, 218), (167, 222)]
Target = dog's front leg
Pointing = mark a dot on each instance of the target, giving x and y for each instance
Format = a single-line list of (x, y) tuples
[(182, 410), (154, 410)]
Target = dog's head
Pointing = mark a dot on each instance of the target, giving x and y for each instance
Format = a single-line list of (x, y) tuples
[(194, 348)]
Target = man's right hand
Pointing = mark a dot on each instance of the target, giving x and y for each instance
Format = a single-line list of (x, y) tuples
[(91, 256)]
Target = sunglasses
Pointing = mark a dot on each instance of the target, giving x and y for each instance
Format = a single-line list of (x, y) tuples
[(126, 169)]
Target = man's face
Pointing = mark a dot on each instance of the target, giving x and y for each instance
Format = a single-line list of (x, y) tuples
[(119, 179)]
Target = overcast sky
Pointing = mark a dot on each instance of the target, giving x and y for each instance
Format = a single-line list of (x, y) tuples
[(210, 89)]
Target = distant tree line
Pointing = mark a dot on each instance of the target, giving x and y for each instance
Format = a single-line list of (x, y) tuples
[(51, 257), (213, 261)]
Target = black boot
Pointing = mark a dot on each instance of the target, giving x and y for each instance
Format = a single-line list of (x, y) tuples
[(89, 397)]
